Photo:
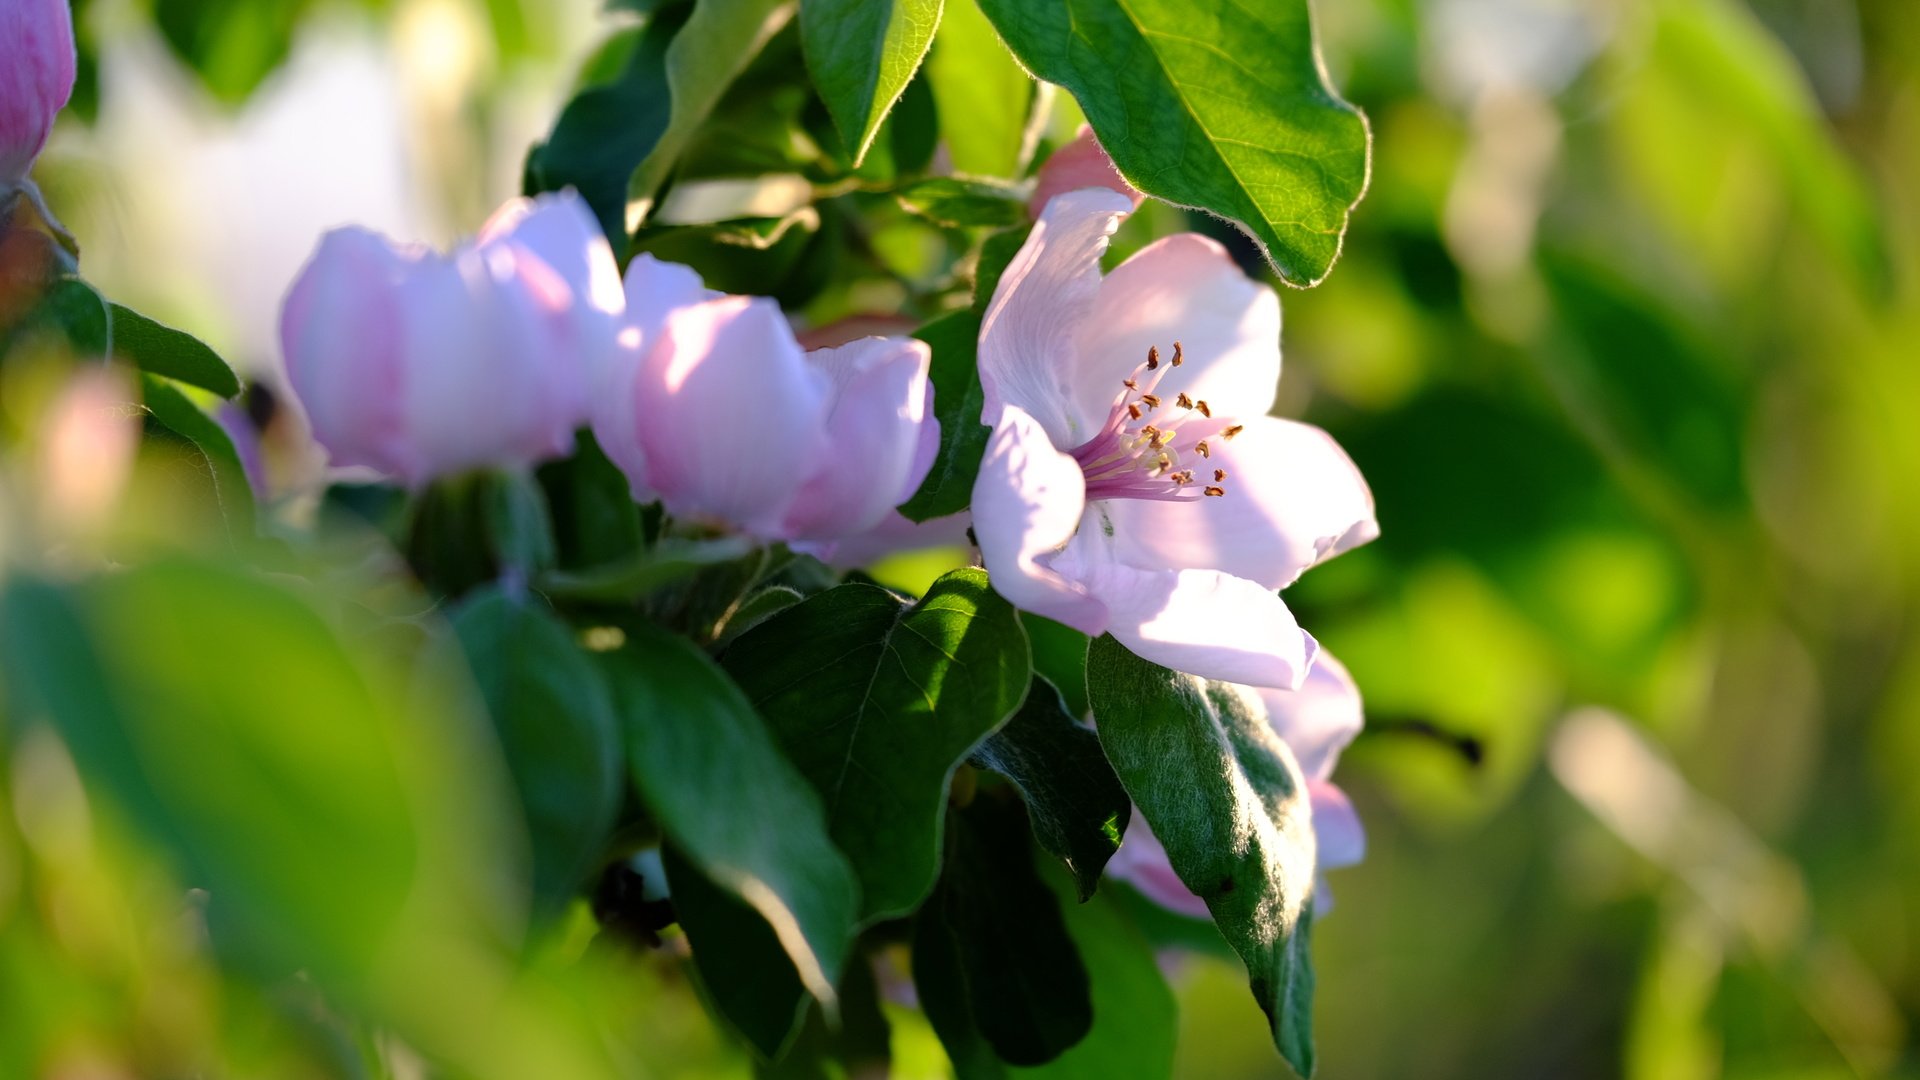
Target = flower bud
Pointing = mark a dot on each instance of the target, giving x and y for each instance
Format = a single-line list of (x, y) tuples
[(1082, 163), (36, 78), (419, 364)]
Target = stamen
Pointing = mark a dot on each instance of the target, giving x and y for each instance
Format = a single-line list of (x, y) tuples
[(1204, 410), (1184, 401), (1133, 411), (1153, 357), (1219, 475), (1177, 358), (1152, 402), (1232, 431), (1129, 383), (1203, 448), (1215, 492)]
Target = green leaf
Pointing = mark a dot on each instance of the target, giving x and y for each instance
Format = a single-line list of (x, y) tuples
[(1060, 657), (877, 703), (172, 410), (708, 53), (995, 929), (858, 1044), (1215, 104), (665, 563), (957, 402), (945, 200), (606, 131), (742, 967), (987, 104), (1078, 807), (1225, 797), (161, 350), (469, 529), (554, 718), (281, 794), (595, 520), (755, 610), (1135, 1016), (709, 773), (232, 45), (861, 54)]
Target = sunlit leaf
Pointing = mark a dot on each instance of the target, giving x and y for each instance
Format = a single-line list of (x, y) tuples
[(861, 54)]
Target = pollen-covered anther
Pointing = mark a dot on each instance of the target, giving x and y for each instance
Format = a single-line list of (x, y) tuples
[(1130, 383), (1133, 412), (1153, 357), (1161, 439), (1183, 400), (1232, 431), (1219, 475), (1204, 450), (1178, 358), (1183, 477), (1152, 402), (1216, 492), (1204, 410)]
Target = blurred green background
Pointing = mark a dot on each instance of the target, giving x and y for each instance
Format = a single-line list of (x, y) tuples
[(1626, 337)]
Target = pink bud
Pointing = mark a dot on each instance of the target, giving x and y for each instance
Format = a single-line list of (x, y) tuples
[(419, 364), (36, 78), (1082, 163)]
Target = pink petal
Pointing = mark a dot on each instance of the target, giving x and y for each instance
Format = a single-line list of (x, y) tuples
[(1318, 720), (561, 230), (1336, 826), (342, 337), (1293, 499), (1082, 163), (880, 394), (1187, 289), (1203, 622), (1027, 503), (1142, 863), (731, 417), (1028, 336), (654, 290), (37, 65)]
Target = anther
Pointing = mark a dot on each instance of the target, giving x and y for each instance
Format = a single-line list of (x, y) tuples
[(1152, 402), (1232, 431), (1161, 438), (1133, 412), (1184, 401), (1153, 357), (1129, 383), (1177, 357), (1203, 448), (1204, 410), (1215, 491), (1219, 475)]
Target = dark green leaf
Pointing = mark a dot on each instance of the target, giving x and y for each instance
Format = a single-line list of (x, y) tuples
[(743, 968), (555, 722), (607, 130), (232, 45), (1215, 104), (878, 703), (162, 350), (709, 773), (1224, 796), (861, 54), (595, 520), (1078, 808), (946, 200), (996, 928), (469, 529), (957, 402), (173, 411), (663, 564), (1135, 1016), (1060, 657), (986, 103), (714, 46), (755, 610), (860, 1044)]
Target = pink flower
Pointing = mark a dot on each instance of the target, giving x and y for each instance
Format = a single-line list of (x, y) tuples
[(1316, 721), (712, 407), (420, 364), (1082, 163), (1133, 483), (36, 78)]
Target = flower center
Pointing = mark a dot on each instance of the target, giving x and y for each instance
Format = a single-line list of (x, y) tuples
[(1150, 448)]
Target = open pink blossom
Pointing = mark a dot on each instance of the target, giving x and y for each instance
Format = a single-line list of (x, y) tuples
[(711, 406), (420, 364), (36, 78), (1133, 483), (1316, 721)]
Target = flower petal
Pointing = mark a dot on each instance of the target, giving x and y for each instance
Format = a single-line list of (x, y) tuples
[(654, 290), (37, 65), (1293, 499), (1027, 338), (1318, 720), (561, 230), (342, 339), (1142, 863), (1183, 288), (731, 417), (880, 391), (1027, 502), (1082, 163), (1204, 622), (1337, 832)]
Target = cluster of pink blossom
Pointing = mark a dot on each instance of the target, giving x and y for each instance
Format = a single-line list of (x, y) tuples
[(1133, 483), (37, 64)]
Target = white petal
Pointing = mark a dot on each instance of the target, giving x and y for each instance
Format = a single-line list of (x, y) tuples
[(1027, 502), (1293, 498), (1142, 863), (1183, 288), (1027, 338), (1338, 835), (561, 230), (342, 336), (1203, 622), (731, 416), (880, 395), (1318, 720)]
